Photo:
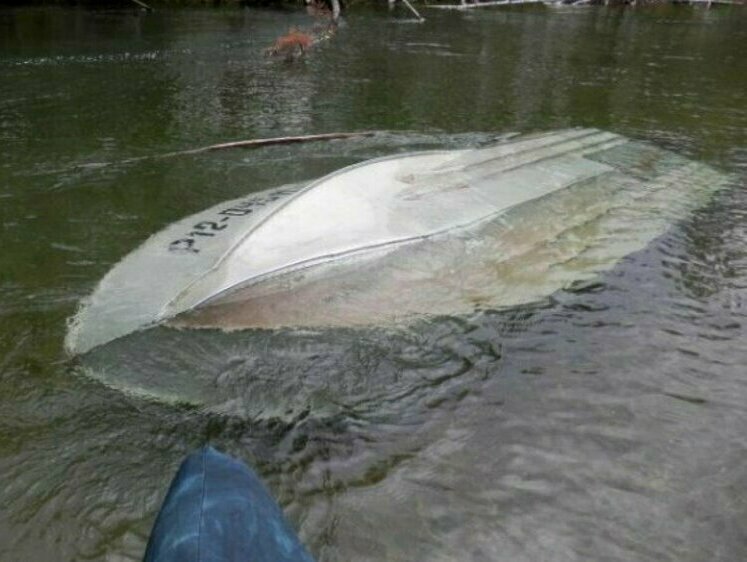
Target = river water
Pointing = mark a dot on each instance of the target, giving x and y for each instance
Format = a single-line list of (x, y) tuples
[(606, 422)]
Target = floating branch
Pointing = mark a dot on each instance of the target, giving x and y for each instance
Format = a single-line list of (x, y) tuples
[(252, 143), (413, 10), (143, 5), (709, 2), (465, 6)]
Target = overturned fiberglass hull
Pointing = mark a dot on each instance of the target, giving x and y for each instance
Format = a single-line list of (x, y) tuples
[(439, 232)]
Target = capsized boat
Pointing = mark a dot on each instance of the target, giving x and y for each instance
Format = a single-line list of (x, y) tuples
[(389, 239)]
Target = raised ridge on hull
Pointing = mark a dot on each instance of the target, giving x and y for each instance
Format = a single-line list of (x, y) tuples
[(362, 212)]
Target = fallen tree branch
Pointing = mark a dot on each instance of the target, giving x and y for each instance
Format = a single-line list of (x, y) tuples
[(489, 3), (143, 5), (252, 143), (413, 10)]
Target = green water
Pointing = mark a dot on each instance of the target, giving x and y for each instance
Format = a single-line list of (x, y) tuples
[(606, 423)]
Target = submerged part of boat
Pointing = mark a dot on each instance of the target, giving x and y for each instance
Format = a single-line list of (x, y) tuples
[(439, 232)]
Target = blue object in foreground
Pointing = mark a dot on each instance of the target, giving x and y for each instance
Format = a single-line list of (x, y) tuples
[(217, 510)]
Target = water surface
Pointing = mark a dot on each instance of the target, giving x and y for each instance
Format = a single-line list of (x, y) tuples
[(604, 423)]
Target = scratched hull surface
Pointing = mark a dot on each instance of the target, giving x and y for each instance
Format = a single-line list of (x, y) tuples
[(443, 232)]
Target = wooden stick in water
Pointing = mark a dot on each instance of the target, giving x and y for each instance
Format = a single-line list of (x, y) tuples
[(486, 4), (252, 143), (413, 10), (143, 5)]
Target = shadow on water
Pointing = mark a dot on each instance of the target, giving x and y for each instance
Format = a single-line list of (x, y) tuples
[(605, 423)]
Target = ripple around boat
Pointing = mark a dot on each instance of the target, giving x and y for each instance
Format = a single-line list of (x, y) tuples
[(390, 239)]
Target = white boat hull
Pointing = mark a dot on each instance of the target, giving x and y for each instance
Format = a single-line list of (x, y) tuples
[(441, 232)]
